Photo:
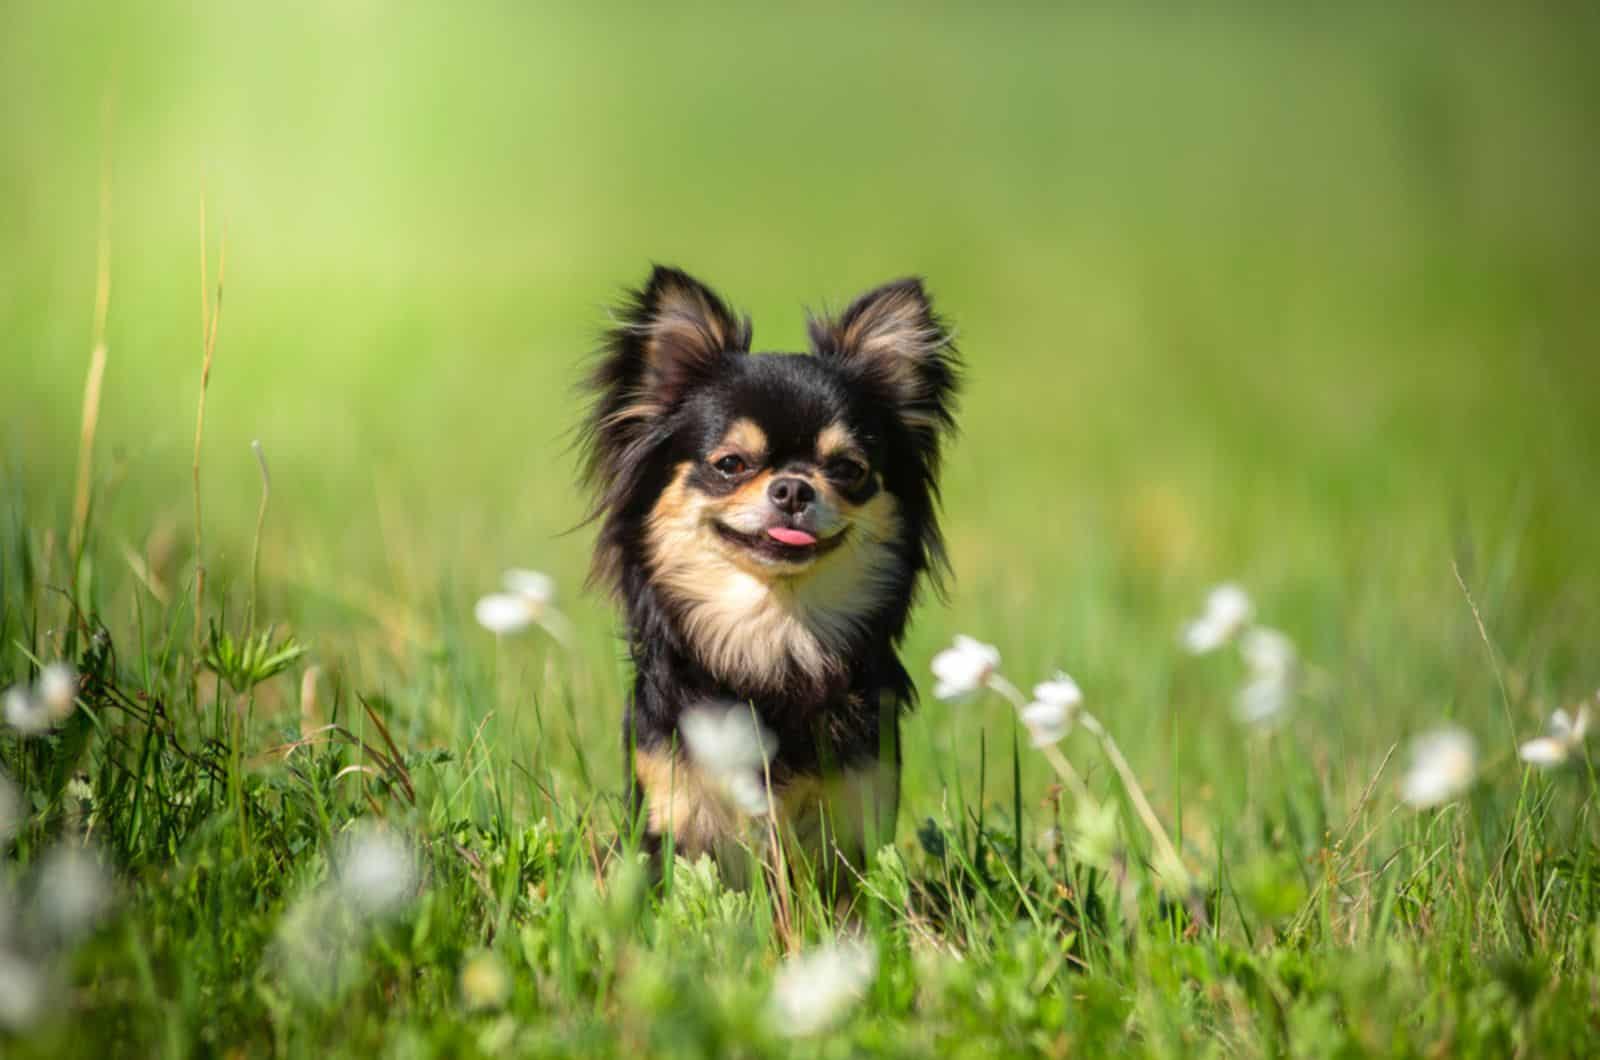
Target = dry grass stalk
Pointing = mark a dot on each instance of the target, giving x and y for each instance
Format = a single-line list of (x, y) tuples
[(209, 313), (261, 522), (97, 358)]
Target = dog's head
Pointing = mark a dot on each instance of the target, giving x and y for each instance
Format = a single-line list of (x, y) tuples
[(757, 487)]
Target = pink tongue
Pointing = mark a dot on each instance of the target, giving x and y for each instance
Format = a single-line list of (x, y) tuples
[(791, 537)]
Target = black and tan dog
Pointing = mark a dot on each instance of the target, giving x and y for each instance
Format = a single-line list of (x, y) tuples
[(766, 521)]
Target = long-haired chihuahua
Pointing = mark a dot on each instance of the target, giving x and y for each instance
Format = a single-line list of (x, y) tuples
[(766, 521)]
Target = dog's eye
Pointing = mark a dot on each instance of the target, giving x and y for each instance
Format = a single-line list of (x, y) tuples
[(847, 471), (730, 465)]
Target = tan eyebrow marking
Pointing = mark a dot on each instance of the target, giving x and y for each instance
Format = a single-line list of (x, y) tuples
[(745, 436), (836, 440)]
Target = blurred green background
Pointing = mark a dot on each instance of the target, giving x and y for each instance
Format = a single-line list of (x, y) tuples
[(1300, 297)]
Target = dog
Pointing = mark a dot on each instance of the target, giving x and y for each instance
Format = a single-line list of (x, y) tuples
[(766, 522)]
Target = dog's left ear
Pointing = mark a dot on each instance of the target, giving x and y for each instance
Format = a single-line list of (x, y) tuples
[(891, 339)]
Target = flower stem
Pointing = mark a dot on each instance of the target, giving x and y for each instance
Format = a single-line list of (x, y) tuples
[(555, 623), (779, 864), (1063, 768), (999, 684), (208, 334), (1052, 754), (1130, 783)]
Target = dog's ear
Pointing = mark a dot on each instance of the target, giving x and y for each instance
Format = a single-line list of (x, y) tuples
[(892, 342), (669, 335), (891, 339)]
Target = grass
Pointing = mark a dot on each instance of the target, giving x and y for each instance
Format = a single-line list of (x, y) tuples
[(1297, 300)]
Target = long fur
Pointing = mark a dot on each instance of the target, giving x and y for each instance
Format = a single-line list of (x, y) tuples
[(668, 334), (893, 342), (812, 647)]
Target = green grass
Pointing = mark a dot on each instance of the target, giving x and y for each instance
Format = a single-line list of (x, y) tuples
[(1298, 299)]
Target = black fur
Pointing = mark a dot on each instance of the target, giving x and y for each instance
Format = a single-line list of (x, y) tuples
[(674, 372)]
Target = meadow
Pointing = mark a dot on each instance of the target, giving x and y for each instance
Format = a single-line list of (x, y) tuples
[(1297, 300)]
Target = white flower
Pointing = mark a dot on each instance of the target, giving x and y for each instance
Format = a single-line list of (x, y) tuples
[(1227, 611), (22, 991), (529, 598), (1544, 751), (733, 748), (1443, 764), (964, 668), (1565, 734), (377, 873), (536, 587), (503, 613), (748, 791), (25, 712), (314, 944), (47, 704), (1054, 708), (74, 890), (1263, 700), (813, 990), (1270, 657), (726, 740), (1574, 727), (57, 689), (1267, 652)]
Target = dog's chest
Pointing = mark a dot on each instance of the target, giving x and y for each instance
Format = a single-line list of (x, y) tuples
[(750, 633)]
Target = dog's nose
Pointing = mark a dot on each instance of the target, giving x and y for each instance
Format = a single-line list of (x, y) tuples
[(791, 494)]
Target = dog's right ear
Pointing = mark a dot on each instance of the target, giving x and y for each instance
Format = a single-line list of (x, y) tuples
[(669, 335)]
